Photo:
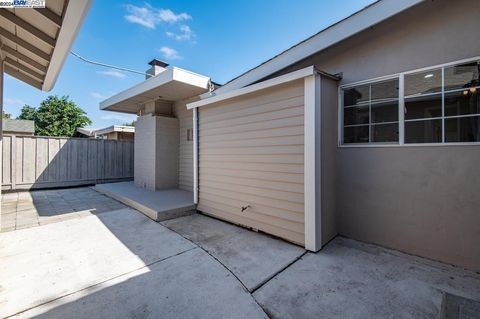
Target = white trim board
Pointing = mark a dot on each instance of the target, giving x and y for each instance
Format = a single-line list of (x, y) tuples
[(363, 19), (296, 75), (195, 156), (312, 171)]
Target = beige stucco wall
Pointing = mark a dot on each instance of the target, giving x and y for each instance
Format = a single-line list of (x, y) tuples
[(166, 146), (327, 158), (144, 162), (431, 33), (251, 152), (156, 152), (422, 200)]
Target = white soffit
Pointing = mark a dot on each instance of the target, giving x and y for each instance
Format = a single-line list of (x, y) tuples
[(76, 12), (295, 75), (34, 42), (173, 84), (359, 21)]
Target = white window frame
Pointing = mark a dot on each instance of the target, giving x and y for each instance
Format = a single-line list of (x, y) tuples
[(347, 86), (401, 108)]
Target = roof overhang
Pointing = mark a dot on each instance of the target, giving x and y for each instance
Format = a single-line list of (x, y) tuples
[(289, 77), (103, 131), (116, 128), (36, 41), (359, 21), (173, 84)]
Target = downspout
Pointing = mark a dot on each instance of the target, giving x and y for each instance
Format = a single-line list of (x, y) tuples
[(195, 156)]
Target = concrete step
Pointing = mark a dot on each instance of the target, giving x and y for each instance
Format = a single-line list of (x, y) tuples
[(158, 205)]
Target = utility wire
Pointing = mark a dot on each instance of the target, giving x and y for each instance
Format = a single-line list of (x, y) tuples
[(107, 65)]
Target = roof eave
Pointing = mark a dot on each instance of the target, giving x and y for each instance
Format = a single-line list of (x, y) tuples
[(170, 75), (282, 79), (74, 16), (359, 21)]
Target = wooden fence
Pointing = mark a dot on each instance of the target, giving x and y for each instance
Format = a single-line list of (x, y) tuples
[(31, 162)]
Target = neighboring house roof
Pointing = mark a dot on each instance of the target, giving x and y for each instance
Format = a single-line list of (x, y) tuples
[(18, 126), (355, 23), (103, 131), (171, 85), (36, 41)]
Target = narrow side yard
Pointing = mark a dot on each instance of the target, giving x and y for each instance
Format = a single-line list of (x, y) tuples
[(117, 263)]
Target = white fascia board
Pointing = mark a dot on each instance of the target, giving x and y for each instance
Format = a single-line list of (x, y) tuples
[(86, 131), (124, 128), (115, 128), (169, 75), (72, 21), (299, 74), (191, 78), (336, 33)]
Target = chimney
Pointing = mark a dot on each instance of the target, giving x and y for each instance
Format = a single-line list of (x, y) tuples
[(157, 67)]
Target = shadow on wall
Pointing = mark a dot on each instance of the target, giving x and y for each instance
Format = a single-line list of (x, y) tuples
[(46, 162)]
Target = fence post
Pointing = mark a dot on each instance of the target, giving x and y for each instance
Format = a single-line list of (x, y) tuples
[(13, 163)]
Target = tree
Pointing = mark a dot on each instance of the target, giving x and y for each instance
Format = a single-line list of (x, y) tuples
[(132, 123), (6, 115), (56, 116), (27, 113)]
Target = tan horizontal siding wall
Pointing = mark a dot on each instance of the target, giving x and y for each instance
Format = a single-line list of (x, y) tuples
[(185, 165), (251, 152)]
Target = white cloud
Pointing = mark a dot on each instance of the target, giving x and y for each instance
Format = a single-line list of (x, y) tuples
[(98, 95), (170, 53), (186, 33), (13, 101), (114, 73), (149, 16), (167, 15)]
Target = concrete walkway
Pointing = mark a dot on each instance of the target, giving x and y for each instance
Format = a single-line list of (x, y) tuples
[(253, 258), (121, 264), (349, 279), (118, 264)]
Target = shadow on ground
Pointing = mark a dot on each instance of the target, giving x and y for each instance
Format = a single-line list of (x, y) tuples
[(29, 209)]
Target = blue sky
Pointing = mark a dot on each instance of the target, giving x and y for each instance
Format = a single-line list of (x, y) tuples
[(220, 39)]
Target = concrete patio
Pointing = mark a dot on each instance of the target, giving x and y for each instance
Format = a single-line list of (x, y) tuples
[(121, 264), (29, 209)]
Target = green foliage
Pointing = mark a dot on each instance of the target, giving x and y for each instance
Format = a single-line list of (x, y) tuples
[(6, 115), (56, 116), (132, 123), (27, 113)]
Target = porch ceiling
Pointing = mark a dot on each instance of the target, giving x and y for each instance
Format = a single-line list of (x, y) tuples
[(34, 42), (171, 85)]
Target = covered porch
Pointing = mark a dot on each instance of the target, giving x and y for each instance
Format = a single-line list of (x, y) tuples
[(164, 156)]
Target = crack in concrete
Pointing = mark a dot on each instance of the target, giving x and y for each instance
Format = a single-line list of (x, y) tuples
[(278, 272), (236, 277)]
